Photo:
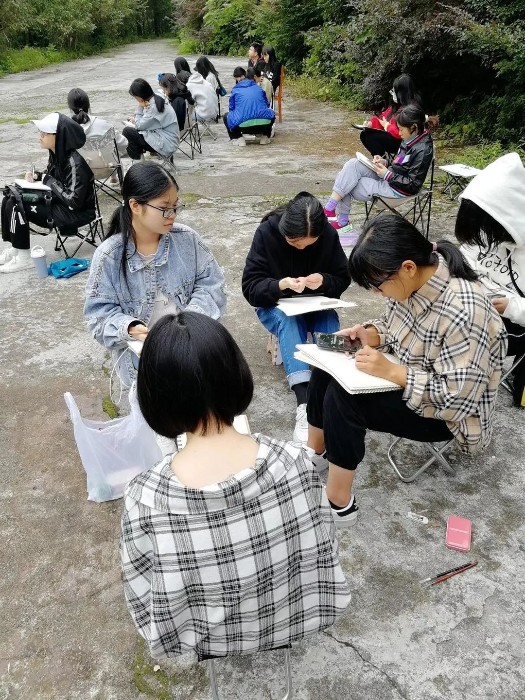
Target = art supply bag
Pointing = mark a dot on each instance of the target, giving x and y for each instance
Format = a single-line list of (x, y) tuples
[(63, 269), (113, 452)]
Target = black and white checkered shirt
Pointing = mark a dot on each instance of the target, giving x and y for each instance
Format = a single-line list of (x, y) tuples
[(453, 343), (244, 565)]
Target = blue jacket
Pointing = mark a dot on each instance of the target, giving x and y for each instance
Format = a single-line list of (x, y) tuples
[(183, 269), (248, 101)]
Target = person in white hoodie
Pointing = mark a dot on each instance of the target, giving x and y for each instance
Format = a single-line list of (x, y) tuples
[(490, 225), (206, 105)]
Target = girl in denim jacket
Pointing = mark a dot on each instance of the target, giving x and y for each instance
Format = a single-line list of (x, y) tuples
[(147, 267)]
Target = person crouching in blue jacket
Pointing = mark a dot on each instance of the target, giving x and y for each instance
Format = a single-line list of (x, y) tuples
[(248, 103)]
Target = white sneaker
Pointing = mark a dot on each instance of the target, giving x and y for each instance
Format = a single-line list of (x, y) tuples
[(300, 433), (238, 142), (17, 262), (264, 140), (6, 255), (346, 517), (320, 463)]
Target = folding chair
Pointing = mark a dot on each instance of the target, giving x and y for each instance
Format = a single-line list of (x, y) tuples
[(102, 155), (458, 176), (278, 97), (416, 208), (287, 671), (437, 455), (190, 140), (92, 231), (206, 129)]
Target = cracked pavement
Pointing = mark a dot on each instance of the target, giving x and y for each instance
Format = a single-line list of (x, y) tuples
[(64, 629)]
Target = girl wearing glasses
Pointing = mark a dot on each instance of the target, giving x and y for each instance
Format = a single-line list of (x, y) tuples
[(450, 342), (147, 267), (295, 252)]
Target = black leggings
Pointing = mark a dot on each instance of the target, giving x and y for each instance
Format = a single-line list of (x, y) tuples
[(237, 132), (345, 418), (137, 144), (379, 142)]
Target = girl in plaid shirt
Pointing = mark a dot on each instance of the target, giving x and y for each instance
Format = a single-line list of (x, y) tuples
[(450, 342), (228, 547)]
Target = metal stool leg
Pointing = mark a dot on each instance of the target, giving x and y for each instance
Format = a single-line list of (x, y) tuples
[(287, 669), (213, 680), (437, 455)]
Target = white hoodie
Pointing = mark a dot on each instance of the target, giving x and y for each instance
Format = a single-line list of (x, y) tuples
[(206, 103), (500, 191)]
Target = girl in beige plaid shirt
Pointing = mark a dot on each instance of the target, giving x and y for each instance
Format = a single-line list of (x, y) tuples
[(450, 342)]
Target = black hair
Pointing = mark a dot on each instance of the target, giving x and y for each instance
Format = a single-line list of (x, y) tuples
[(183, 76), (180, 64), (250, 73), (258, 47), (475, 227), (191, 375), (388, 240), (141, 88), (172, 84), (303, 216), (271, 54), (414, 115), (78, 103), (239, 72), (144, 181), (405, 90), (204, 66)]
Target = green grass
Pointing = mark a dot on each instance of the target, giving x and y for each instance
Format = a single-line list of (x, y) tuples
[(109, 407)]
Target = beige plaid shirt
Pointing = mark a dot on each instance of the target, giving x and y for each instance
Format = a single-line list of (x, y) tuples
[(453, 343)]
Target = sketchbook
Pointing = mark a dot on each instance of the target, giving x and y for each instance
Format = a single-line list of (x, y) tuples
[(26, 185), (343, 369), (365, 161), (293, 306)]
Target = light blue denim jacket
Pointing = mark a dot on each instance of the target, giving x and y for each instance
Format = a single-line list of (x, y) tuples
[(184, 269)]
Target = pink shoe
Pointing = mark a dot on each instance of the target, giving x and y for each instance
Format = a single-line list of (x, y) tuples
[(338, 226), (329, 213)]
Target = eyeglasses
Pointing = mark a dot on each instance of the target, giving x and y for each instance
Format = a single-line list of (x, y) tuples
[(377, 286), (167, 212)]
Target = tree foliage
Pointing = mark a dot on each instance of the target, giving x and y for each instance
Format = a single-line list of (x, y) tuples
[(466, 56), (67, 24)]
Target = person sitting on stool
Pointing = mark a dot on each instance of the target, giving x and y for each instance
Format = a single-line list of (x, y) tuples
[(248, 103), (69, 204)]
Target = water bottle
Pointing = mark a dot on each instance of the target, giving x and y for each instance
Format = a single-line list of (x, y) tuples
[(38, 255)]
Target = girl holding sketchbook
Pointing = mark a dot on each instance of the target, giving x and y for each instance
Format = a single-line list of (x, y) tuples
[(295, 252), (450, 343), (403, 177)]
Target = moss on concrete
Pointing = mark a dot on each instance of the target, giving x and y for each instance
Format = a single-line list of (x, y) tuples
[(109, 407), (154, 682)]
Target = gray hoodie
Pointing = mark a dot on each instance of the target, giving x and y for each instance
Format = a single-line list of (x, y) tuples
[(500, 191)]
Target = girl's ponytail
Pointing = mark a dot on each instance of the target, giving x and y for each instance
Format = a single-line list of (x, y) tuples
[(457, 264), (160, 102)]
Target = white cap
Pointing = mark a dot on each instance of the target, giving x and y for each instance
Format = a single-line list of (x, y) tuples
[(49, 123)]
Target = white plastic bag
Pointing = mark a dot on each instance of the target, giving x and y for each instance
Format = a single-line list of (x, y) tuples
[(115, 451)]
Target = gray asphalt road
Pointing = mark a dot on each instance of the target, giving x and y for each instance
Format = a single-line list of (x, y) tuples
[(64, 629)]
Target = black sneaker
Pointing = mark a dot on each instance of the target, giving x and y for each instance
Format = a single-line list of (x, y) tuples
[(347, 517)]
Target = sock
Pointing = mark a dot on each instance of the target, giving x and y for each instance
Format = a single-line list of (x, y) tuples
[(300, 392), (331, 205), (342, 220), (22, 254), (338, 509)]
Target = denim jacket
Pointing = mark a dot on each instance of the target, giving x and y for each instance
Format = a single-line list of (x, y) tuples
[(183, 269)]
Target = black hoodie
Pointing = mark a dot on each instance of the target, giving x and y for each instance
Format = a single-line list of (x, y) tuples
[(271, 259), (70, 177)]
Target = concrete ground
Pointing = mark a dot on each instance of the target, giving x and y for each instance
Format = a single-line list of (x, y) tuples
[(64, 629)]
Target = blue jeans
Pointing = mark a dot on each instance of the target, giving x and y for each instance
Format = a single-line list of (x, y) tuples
[(291, 330)]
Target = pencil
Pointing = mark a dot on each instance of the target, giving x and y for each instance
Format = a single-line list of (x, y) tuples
[(449, 571), (440, 579)]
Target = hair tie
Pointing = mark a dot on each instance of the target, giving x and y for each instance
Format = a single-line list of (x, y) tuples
[(434, 247), (123, 203)]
